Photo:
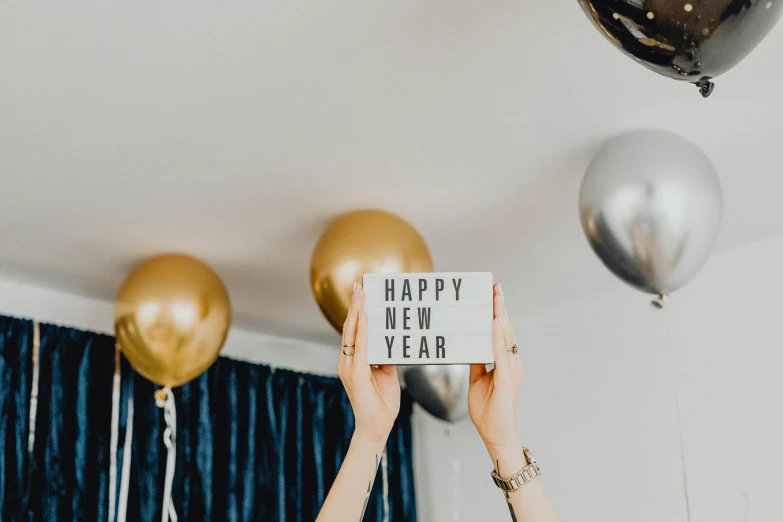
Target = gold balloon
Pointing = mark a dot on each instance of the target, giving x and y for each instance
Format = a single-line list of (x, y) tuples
[(171, 318), (367, 241)]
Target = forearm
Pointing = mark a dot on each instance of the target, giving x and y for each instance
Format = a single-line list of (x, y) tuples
[(528, 503), (350, 492)]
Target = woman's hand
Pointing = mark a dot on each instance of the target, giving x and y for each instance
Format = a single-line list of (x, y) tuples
[(375, 399), (492, 399), (374, 392)]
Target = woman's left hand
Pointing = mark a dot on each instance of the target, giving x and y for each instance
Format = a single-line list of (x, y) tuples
[(374, 392), (492, 398), (375, 399), (492, 401)]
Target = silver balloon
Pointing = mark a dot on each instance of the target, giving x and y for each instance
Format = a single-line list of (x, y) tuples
[(651, 207), (442, 390)]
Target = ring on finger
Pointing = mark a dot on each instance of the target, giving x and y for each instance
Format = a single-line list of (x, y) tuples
[(514, 349), (351, 347)]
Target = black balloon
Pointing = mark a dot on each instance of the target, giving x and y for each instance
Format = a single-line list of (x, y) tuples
[(691, 40)]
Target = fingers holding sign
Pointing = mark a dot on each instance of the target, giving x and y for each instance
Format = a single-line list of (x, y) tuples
[(509, 338), (374, 392), (493, 395)]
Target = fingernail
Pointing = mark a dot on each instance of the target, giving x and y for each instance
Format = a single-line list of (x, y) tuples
[(355, 287), (500, 289), (500, 321)]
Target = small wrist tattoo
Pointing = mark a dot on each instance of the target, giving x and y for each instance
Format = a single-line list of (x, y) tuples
[(369, 489), (508, 498)]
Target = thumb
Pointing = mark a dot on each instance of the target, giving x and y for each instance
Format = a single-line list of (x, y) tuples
[(477, 371)]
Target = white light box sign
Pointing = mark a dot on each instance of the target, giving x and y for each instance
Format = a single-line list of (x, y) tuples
[(429, 318)]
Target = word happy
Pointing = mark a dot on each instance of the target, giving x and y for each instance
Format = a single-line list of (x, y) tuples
[(422, 313)]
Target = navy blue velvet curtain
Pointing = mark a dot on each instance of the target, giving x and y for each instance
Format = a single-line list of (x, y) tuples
[(253, 444), (15, 376)]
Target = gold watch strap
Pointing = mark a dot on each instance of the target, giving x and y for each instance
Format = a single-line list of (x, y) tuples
[(528, 473)]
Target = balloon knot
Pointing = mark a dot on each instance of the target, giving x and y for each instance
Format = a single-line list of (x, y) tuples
[(160, 396), (705, 87), (659, 301)]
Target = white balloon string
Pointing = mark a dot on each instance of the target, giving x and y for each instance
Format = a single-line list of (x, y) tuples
[(455, 474), (385, 468), (115, 429), (126, 463), (675, 381), (456, 470), (170, 440), (33, 403), (34, 391)]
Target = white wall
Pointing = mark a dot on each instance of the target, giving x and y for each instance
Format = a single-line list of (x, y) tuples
[(599, 406)]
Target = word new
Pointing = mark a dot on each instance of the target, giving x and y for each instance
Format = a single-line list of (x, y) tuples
[(424, 315)]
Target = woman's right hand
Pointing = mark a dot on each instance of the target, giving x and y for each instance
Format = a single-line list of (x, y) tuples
[(374, 392)]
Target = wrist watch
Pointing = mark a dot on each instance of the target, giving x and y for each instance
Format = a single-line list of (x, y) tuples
[(528, 473)]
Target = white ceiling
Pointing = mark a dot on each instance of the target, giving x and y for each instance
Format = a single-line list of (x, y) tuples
[(237, 132)]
